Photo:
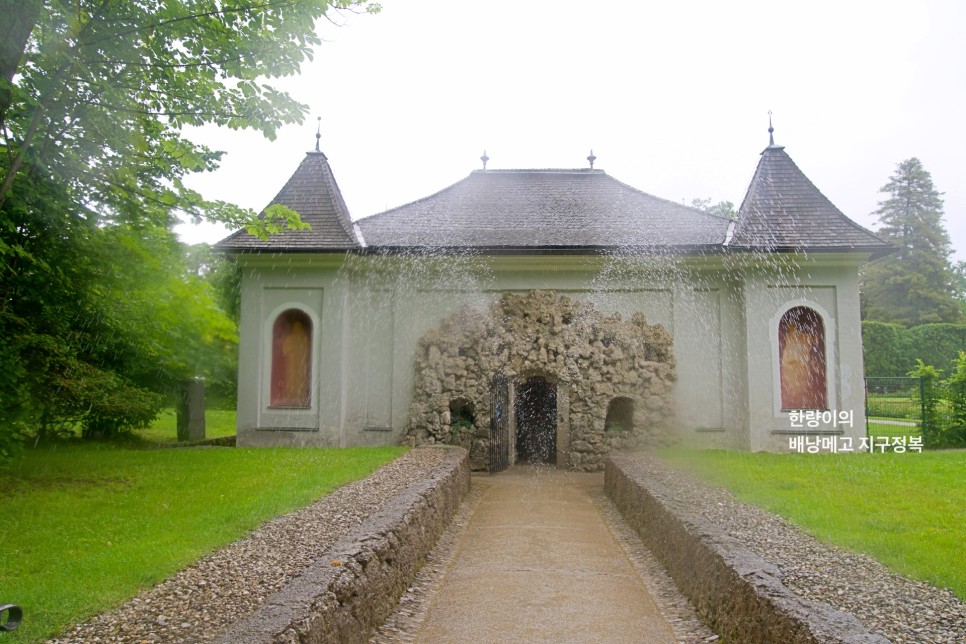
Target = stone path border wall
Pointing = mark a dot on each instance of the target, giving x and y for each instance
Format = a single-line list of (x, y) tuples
[(351, 590), (740, 594)]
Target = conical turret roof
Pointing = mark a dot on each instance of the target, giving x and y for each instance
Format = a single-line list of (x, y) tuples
[(313, 193), (783, 210)]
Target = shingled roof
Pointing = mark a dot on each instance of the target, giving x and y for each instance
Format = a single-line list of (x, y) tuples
[(783, 210), (543, 209), (579, 210), (313, 193)]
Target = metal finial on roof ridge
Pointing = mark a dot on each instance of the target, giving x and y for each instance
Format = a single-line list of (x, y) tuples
[(484, 159), (771, 132), (591, 158), (318, 135)]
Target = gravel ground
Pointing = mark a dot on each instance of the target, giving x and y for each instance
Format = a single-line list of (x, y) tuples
[(201, 601), (901, 609)]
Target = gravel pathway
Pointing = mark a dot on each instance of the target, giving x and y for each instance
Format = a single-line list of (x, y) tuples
[(201, 601), (903, 610)]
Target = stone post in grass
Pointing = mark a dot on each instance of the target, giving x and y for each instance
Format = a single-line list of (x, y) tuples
[(191, 410)]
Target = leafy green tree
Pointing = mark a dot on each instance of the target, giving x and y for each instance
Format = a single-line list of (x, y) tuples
[(959, 284), (103, 90), (102, 322), (882, 349), (930, 396), (221, 272), (722, 208), (99, 312), (915, 285), (957, 399)]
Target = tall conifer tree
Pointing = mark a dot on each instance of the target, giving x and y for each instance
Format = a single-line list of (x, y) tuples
[(915, 284)]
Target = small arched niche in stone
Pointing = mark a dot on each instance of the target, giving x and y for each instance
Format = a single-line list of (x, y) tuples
[(620, 416), (462, 418)]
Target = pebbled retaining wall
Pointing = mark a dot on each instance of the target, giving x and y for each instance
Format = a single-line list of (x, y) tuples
[(351, 590), (740, 594)]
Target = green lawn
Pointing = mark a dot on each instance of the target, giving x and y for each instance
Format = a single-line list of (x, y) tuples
[(906, 510), (86, 526), (218, 422)]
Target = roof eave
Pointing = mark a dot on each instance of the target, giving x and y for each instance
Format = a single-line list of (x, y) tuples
[(874, 251)]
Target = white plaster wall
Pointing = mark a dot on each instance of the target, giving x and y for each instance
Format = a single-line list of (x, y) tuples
[(371, 313), (269, 287), (831, 290)]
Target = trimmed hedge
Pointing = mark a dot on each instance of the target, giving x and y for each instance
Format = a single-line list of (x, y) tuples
[(892, 349)]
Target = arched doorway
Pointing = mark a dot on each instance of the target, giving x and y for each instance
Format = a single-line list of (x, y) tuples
[(536, 414)]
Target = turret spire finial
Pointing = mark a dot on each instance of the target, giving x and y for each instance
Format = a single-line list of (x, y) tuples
[(318, 135), (591, 158), (484, 159), (771, 131)]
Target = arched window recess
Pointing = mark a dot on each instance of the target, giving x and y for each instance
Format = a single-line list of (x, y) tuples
[(291, 375), (801, 349)]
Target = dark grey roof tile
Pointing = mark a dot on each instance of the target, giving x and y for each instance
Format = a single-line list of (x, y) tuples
[(541, 209), (783, 209), (313, 193)]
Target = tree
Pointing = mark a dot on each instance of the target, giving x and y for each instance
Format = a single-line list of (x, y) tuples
[(99, 313), (101, 323), (959, 284), (915, 285), (19, 18), (221, 272), (103, 89), (722, 208)]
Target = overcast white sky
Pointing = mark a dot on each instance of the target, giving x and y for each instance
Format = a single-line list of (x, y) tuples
[(673, 98)]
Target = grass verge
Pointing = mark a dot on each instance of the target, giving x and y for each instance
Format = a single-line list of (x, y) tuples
[(86, 526), (906, 510), (218, 422)]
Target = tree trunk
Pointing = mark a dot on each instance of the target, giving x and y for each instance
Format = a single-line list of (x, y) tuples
[(17, 20)]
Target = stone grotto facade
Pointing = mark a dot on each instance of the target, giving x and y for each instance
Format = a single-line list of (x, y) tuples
[(611, 378)]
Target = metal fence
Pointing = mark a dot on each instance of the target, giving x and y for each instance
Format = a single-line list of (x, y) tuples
[(894, 406)]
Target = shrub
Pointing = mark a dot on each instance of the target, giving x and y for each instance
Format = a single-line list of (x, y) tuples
[(930, 396), (935, 344), (891, 349), (881, 342), (957, 400)]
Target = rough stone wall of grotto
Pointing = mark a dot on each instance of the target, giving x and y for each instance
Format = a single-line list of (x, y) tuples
[(593, 358)]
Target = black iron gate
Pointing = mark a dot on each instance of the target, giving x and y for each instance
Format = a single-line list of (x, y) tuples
[(499, 423)]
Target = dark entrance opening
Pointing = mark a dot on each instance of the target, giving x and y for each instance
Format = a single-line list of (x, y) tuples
[(536, 411)]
